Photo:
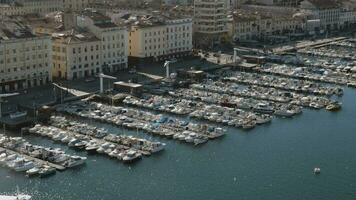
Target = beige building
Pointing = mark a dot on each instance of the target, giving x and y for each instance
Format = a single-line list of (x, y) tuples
[(160, 39), (25, 59), (75, 55), (113, 39)]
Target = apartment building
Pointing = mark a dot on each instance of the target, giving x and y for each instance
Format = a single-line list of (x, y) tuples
[(23, 7), (210, 20), (250, 25), (160, 38), (75, 55), (75, 5), (327, 11), (25, 59), (113, 39)]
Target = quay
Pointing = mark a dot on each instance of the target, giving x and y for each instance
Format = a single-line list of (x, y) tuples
[(58, 167)]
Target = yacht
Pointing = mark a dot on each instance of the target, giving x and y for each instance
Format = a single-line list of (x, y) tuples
[(25, 166), (46, 171), (263, 108), (131, 155), (157, 146), (33, 171), (75, 161), (317, 170)]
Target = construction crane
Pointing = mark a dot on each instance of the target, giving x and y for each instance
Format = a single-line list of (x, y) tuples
[(2, 101), (102, 76)]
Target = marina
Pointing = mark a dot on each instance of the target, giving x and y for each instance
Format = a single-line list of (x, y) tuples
[(141, 120), (261, 116)]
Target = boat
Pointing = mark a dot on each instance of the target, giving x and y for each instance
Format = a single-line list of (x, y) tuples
[(73, 142), (92, 148), (25, 166), (32, 172), (46, 171), (80, 144), (317, 170), (333, 107), (75, 161), (263, 108), (131, 155)]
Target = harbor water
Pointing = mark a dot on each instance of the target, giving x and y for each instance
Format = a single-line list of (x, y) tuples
[(272, 161)]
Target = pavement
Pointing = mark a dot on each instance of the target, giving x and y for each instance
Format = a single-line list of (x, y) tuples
[(41, 95)]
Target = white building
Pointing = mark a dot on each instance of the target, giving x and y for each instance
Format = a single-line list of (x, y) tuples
[(113, 39), (327, 11), (25, 59), (245, 26), (160, 39)]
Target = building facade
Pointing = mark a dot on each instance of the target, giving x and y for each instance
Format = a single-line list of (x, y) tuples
[(25, 59), (255, 26), (210, 20), (23, 7), (161, 40), (113, 40), (75, 55), (327, 11)]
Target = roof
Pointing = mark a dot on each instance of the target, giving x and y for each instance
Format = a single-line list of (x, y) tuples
[(95, 16), (14, 29), (73, 36)]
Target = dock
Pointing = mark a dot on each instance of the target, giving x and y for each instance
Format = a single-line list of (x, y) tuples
[(58, 167)]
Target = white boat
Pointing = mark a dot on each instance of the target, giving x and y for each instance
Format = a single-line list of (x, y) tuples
[(156, 147), (131, 155), (317, 170), (26, 166), (32, 172), (46, 171), (75, 161)]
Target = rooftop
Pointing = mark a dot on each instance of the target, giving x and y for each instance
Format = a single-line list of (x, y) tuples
[(14, 29), (74, 36)]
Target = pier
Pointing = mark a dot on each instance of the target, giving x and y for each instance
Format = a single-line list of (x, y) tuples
[(42, 162)]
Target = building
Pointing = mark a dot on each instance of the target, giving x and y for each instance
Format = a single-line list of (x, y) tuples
[(75, 5), (250, 25), (286, 3), (75, 55), (113, 39), (159, 38), (210, 21), (23, 7), (25, 59), (327, 11)]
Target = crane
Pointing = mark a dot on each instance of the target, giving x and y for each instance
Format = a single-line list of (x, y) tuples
[(102, 76), (4, 96)]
